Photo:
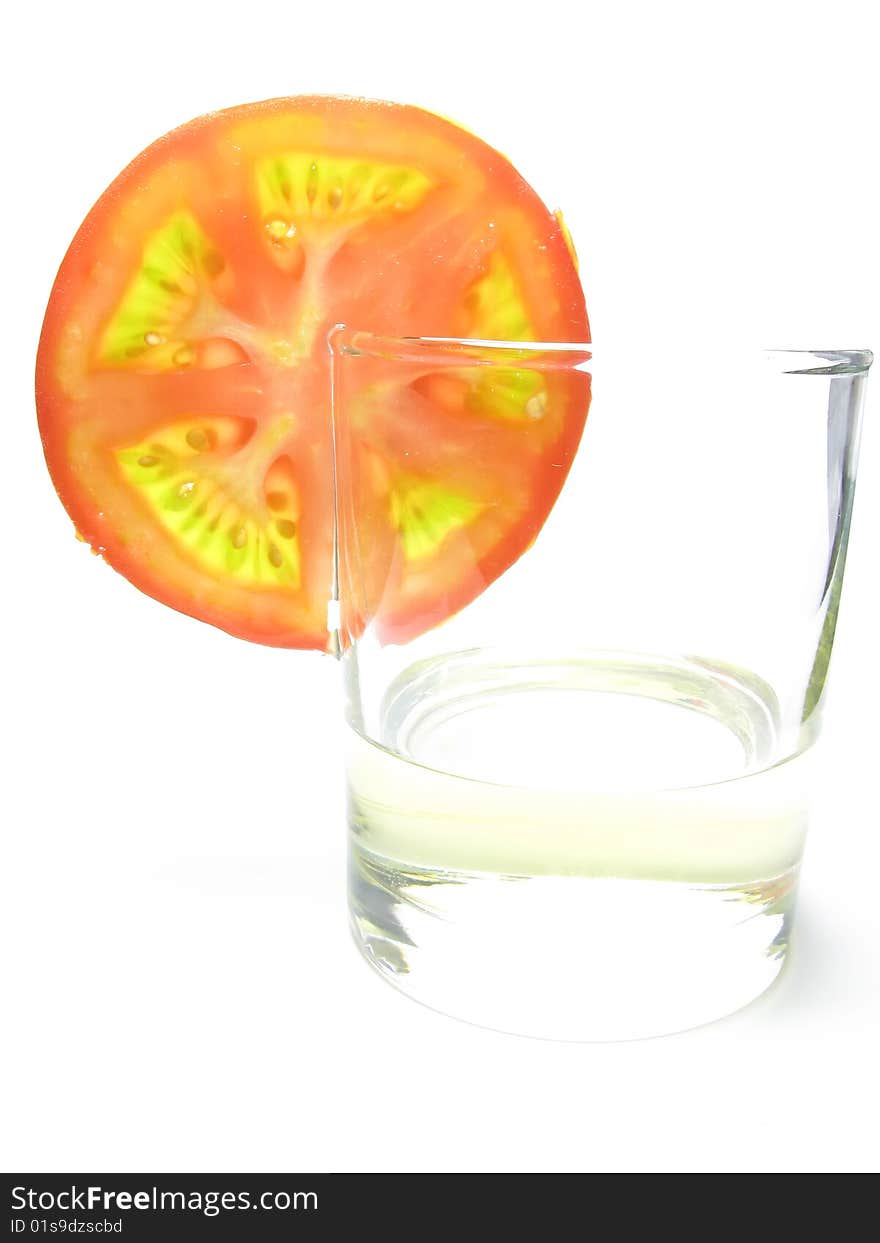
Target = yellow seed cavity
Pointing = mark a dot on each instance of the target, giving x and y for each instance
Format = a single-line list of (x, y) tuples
[(315, 190), (225, 528), (276, 229), (197, 438), (425, 513), (176, 260), (496, 306)]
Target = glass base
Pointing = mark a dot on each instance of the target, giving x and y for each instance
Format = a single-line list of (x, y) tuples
[(570, 957)]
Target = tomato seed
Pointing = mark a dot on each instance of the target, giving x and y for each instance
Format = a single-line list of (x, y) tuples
[(213, 263), (312, 183), (197, 439)]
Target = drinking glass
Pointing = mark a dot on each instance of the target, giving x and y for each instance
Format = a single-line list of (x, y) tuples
[(579, 786)]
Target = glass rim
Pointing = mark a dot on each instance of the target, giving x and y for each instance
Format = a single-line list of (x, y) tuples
[(346, 341)]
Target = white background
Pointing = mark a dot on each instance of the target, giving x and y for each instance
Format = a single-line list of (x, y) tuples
[(183, 994)]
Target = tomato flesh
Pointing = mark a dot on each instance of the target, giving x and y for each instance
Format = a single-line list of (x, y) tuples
[(183, 377)]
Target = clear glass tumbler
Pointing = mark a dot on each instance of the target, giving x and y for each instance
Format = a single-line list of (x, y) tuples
[(579, 776)]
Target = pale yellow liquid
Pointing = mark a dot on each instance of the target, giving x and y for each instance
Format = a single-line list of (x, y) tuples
[(633, 845)]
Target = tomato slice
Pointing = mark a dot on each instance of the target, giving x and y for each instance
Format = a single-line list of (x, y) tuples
[(183, 377)]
